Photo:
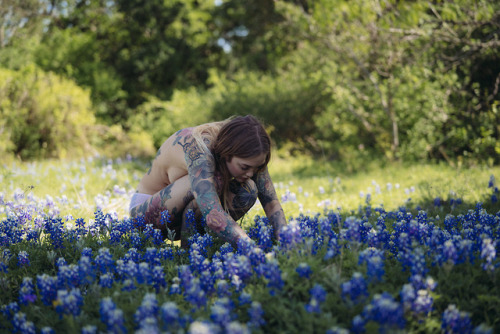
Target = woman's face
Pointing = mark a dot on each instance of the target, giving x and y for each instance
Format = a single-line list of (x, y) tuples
[(244, 168)]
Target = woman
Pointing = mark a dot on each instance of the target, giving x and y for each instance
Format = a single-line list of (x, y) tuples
[(216, 170)]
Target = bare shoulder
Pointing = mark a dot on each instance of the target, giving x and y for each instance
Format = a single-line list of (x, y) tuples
[(168, 165)]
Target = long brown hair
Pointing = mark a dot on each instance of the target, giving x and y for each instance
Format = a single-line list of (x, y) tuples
[(242, 137)]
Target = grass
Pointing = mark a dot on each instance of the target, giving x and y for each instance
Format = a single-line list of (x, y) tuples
[(304, 185)]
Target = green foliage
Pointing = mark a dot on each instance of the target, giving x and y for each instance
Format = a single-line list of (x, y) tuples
[(407, 80), (43, 115), (160, 119)]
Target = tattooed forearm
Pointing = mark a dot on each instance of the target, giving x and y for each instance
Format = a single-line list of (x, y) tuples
[(277, 220), (201, 170), (267, 194)]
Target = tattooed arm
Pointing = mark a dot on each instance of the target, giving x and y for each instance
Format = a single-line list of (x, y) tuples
[(201, 168), (270, 202)]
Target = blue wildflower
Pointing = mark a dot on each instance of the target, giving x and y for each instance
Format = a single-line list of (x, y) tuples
[(86, 270), (50, 330), (106, 280), (488, 254), (158, 278), (318, 296), (221, 312), (304, 270), (22, 325), (244, 298), (27, 292), (69, 302), (170, 316), (491, 181), (104, 260), (385, 311), (89, 329), (148, 308), (456, 321), (374, 259), (23, 259), (272, 273), (356, 289), (256, 314), (47, 287)]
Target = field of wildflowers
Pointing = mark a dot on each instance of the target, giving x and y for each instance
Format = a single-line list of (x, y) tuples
[(423, 259)]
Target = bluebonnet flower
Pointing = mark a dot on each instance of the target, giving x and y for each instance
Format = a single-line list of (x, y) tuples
[(417, 262), (494, 198), (488, 254), (144, 275), (148, 308), (61, 262), (235, 327), (9, 310), (104, 260), (106, 280), (257, 257), (353, 229), (128, 285), (89, 329), (262, 233), (87, 251), (23, 259), (304, 270), (164, 218), (385, 311), (450, 252), (166, 253), (491, 181), (55, 229), (68, 276), (374, 259), (337, 330), (356, 289), (148, 231), (203, 327), (256, 314), (333, 248), (22, 325), (170, 316), (318, 296), (290, 235), (86, 270), (244, 298), (194, 294), (112, 316), (50, 330), (223, 289), (245, 246), (47, 287), (136, 240), (272, 273), (221, 312), (358, 324), (226, 248), (27, 292), (423, 303), (157, 237), (69, 302), (158, 278), (455, 321), (132, 255)]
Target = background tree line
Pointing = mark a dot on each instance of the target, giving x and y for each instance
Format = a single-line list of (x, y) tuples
[(350, 80)]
